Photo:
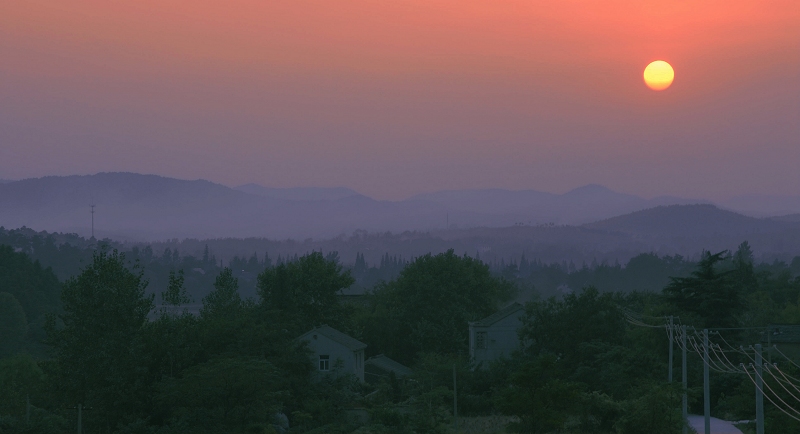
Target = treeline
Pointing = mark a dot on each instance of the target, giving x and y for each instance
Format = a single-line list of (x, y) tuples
[(139, 361), (202, 260)]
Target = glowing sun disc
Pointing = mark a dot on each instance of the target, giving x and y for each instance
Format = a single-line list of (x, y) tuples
[(658, 75)]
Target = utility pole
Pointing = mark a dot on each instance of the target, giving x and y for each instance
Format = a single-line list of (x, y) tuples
[(759, 393), (455, 400), (670, 347), (684, 401), (80, 409), (706, 387)]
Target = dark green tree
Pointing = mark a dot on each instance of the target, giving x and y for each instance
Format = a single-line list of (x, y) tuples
[(305, 292), (224, 301), (35, 288), (427, 308), (539, 396), (13, 325), (708, 294), (559, 326), (98, 350), (176, 294), (224, 392), (21, 379)]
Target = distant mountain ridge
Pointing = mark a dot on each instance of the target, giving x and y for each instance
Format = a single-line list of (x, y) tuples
[(131, 206), (298, 193)]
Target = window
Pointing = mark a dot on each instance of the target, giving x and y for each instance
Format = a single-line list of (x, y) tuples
[(480, 340), (324, 362)]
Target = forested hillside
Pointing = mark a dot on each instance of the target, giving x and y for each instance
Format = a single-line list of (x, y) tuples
[(220, 359)]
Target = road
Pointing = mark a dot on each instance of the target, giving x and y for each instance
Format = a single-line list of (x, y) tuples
[(718, 426)]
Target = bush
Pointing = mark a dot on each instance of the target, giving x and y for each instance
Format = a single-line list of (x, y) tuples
[(657, 411)]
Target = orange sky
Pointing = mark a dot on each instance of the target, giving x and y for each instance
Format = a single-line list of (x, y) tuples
[(397, 98)]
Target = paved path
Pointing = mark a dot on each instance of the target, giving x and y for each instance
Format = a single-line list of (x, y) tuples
[(718, 426)]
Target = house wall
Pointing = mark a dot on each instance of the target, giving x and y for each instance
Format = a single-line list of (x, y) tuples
[(501, 338), (343, 361)]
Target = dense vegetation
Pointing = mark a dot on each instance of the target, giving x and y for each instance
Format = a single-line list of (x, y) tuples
[(140, 360)]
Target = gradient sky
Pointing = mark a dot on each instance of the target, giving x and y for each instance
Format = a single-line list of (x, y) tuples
[(394, 98)]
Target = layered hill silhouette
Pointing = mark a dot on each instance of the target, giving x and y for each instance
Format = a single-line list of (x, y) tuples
[(131, 206)]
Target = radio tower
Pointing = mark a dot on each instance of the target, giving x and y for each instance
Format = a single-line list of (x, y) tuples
[(92, 211)]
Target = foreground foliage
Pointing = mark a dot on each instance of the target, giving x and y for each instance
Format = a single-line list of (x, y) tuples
[(235, 366)]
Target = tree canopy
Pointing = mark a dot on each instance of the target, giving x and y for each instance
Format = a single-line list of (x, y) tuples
[(428, 307)]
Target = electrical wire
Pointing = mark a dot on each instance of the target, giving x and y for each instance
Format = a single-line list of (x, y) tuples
[(797, 380), (784, 356), (725, 355), (728, 344), (773, 392), (703, 353), (730, 366), (675, 332), (767, 396), (640, 323), (781, 383), (775, 367)]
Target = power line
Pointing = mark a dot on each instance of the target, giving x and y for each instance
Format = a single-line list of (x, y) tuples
[(781, 383), (758, 375), (784, 356), (767, 396)]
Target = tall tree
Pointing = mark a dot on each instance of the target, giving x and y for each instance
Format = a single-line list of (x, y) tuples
[(708, 293), (305, 291), (224, 301), (428, 307), (99, 347), (13, 325), (36, 288)]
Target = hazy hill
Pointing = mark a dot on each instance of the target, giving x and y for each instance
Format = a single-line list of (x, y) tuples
[(690, 228), (761, 205), (787, 218), (581, 205), (134, 206), (686, 221), (298, 193), (131, 206), (669, 230)]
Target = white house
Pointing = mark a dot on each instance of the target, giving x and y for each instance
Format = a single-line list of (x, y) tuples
[(496, 335), (335, 353), (380, 367)]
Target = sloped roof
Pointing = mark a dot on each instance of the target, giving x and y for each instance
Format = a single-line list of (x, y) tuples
[(382, 362), (782, 333), (497, 316), (335, 335)]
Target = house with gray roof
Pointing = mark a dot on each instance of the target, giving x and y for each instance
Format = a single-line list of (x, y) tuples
[(335, 353), (380, 367), (785, 338), (496, 335)]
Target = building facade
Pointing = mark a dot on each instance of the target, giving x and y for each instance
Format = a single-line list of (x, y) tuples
[(335, 353), (495, 336)]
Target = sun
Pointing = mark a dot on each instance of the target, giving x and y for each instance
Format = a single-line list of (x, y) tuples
[(658, 75)]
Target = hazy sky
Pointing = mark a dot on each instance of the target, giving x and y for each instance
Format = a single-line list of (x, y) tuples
[(394, 98)]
